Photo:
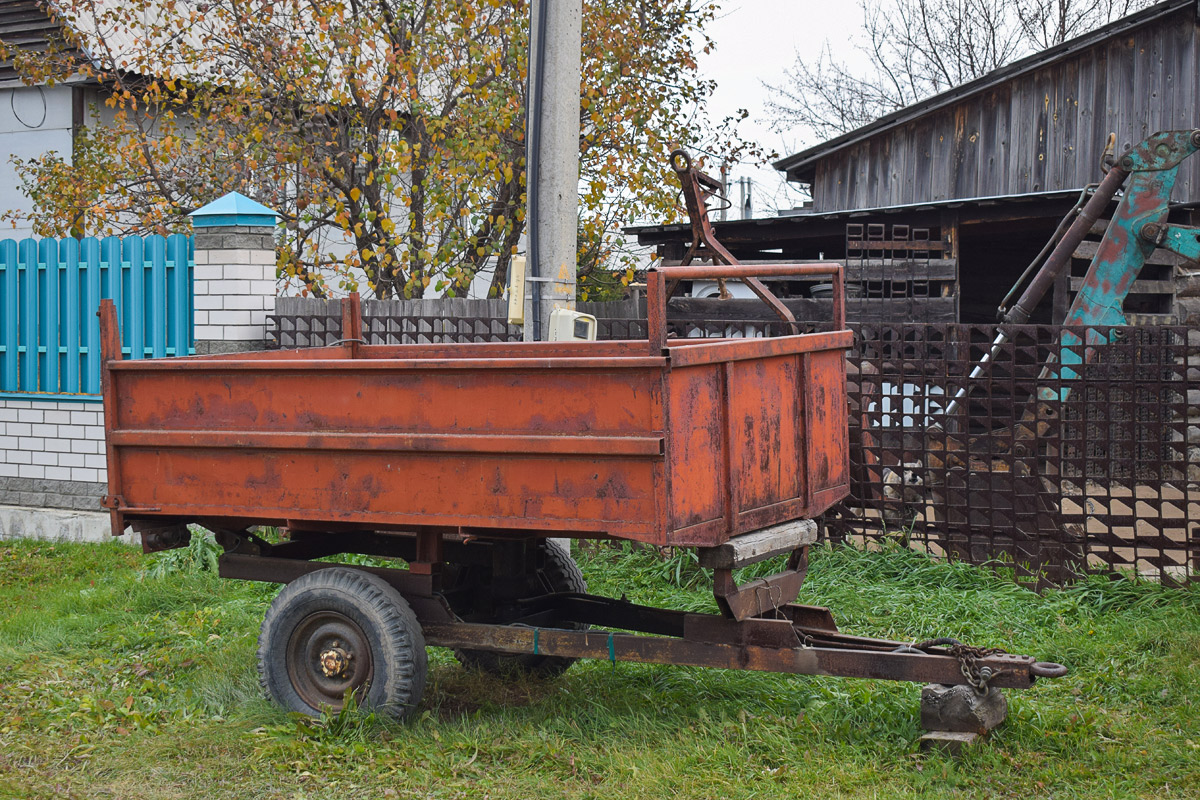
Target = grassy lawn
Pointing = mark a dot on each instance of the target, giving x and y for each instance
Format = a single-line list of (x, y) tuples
[(118, 681)]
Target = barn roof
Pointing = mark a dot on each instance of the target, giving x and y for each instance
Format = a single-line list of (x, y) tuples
[(799, 166)]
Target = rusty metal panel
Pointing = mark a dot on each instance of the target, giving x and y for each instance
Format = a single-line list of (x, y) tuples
[(370, 395), (696, 454), (379, 443), (827, 459), (586, 492), (767, 432), (744, 434)]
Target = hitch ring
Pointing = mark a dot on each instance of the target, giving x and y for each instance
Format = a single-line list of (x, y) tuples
[(1048, 669)]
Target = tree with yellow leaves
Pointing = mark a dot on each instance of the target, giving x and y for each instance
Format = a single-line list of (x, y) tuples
[(388, 134)]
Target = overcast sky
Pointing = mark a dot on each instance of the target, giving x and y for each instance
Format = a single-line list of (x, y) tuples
[(756, 40)]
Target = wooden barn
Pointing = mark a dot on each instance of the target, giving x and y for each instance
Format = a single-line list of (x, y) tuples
[(938, 207)]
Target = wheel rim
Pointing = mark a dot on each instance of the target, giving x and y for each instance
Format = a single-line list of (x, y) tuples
[(327, 655)]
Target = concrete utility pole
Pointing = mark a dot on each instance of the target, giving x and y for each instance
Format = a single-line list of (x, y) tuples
[(552, 145)]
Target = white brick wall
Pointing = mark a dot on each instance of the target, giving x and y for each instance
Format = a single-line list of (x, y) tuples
[(235, 290), (46, 439)]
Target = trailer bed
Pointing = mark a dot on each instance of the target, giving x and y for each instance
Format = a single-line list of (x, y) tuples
[(696, 443)]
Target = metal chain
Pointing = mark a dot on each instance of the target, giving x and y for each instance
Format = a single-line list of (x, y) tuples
[(968, 660), (968, 657)]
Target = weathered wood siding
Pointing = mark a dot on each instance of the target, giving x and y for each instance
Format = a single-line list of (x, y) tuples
[(1039, 131)]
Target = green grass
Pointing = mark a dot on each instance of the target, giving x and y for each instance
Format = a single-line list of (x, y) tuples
[(123, 679)]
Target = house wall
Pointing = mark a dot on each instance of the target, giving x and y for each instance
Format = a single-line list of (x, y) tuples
[(34, 120), (1039, 131)]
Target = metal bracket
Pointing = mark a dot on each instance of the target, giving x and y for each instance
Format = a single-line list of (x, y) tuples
[(157, 535), (241, 542), (1182, 240), (115, 502), (764, 595), (543, 279), (1161, 151)]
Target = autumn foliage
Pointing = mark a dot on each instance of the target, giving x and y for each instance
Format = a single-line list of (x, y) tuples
[(389, 135)]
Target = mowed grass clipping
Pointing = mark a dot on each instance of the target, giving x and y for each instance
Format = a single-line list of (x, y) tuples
[(122, 679)]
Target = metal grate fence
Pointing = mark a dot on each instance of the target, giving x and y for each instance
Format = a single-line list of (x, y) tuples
[(312, 322), (1100, 474)]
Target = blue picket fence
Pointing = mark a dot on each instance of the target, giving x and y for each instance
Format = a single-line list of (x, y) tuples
[(50, 290)]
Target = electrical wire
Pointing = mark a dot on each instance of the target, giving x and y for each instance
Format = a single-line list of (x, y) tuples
[(12, 104)]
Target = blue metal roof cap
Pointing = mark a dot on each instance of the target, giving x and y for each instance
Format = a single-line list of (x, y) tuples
[(233, 209)]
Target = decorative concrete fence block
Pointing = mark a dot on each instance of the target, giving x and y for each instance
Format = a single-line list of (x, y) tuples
[(235, 274)]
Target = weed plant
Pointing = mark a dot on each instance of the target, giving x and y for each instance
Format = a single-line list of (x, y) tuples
[(113, 684), (200, 555)]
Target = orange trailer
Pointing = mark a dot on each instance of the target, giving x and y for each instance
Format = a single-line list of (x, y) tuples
[(461, 460)]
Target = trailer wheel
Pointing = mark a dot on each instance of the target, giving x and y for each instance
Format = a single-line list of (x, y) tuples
[(338, 630), (558, 573)]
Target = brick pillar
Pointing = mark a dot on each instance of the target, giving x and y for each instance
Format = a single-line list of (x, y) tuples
[(234, 274)]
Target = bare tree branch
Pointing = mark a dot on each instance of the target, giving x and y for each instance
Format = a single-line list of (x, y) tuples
[(918, 48)]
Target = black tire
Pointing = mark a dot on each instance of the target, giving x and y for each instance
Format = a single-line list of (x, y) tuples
[(557, 572), (336, 629)]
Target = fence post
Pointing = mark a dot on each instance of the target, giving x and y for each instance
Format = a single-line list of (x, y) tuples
[(234, 274)]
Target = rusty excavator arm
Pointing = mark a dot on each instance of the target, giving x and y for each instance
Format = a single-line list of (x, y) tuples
[(1147, 173)]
